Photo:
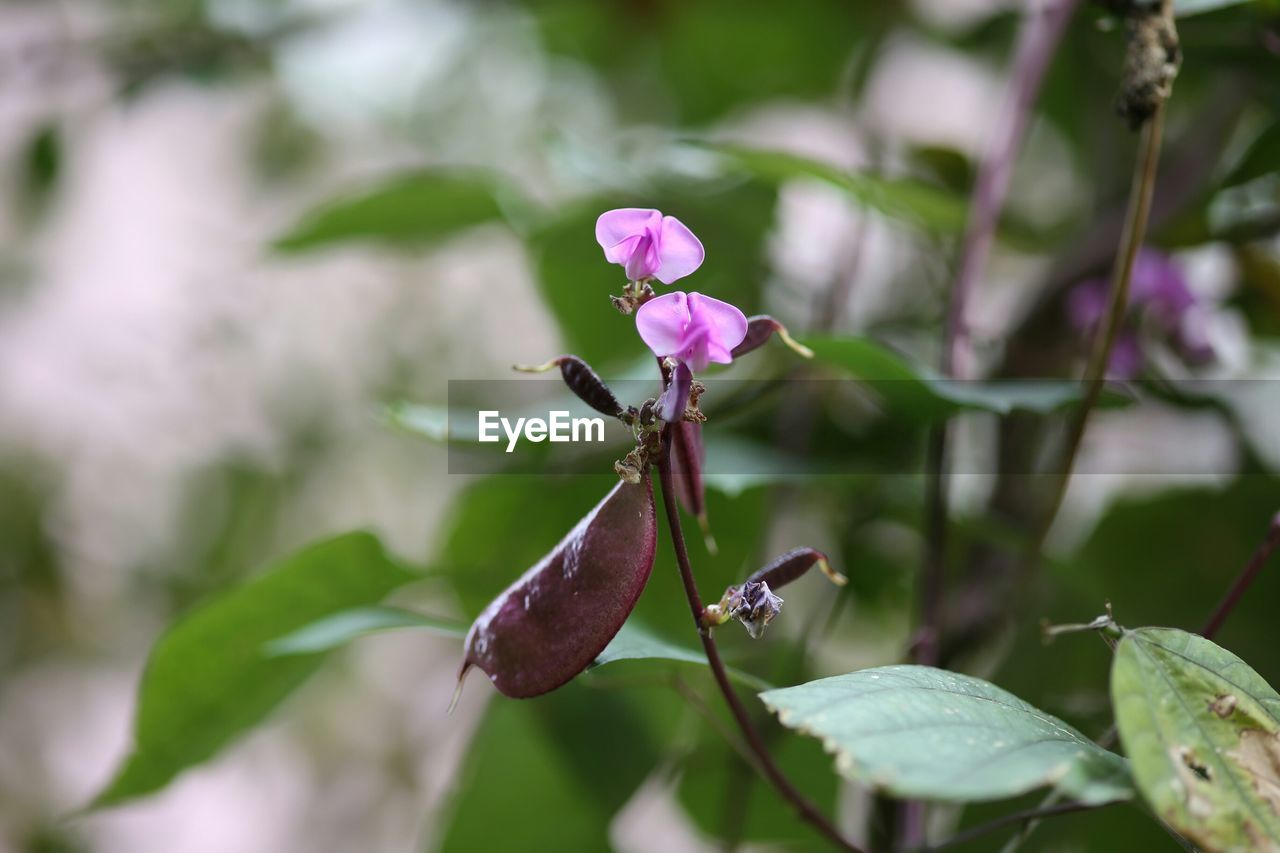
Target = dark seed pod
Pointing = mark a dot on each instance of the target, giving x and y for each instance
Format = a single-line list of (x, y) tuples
[(583, 381), (754, 603), (687, 457), (792, 565), (759, 329), (589, 387), (556, 619)]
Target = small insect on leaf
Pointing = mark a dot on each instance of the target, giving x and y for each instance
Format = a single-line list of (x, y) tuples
[(555, 620)]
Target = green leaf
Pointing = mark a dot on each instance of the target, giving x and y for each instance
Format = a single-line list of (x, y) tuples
[(916, 731), (728, 800), (207, 680), (1202, 730), (799, 52), (919, 394), (406, 210), (634, 642), (1185, 8), (431, 422), (342, 627), (1259, 159), (550, 773), (897, 198), (516, 792)]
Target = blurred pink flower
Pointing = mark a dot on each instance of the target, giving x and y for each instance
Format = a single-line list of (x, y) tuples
[(1160, 295), (693, 328), (648, 244)]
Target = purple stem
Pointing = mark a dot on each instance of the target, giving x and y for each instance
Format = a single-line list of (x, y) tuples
[(806, 809), (1247, 576), (1042, 29), (1038, 40)]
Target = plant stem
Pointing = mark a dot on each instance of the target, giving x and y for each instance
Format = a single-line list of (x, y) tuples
[(1131, 239), (1247, 575), (1037, 43), (1023, 816), (1038, 40), (934, 576), (807, 810)]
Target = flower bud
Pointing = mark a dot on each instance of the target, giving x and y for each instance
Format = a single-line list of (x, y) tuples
[(675, 398), (760, 328), (792, 565), (583, 381)]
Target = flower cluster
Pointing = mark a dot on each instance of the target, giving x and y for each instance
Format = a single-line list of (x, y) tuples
[(557, 618), (692, 328)]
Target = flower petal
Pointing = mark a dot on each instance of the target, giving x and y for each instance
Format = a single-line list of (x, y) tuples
[(644, 259), (680, 251), (695, 345), (673, 401), (621, 253), (661, 323), (615, 226), (728, 324)]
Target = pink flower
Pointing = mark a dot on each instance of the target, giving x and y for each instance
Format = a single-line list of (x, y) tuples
[(648, 244), (1160, 300), (693, 328)]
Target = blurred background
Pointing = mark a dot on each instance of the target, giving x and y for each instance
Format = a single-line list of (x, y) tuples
[(233, 231)]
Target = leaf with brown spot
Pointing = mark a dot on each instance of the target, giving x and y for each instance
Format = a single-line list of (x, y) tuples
[(1259, 756), (1223, 705), (1202, 731)]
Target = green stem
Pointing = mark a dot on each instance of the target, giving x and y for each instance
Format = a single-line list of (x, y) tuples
[(1135, 230), (1021, 817)]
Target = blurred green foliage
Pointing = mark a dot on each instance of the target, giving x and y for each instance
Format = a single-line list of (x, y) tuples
[(558, 769)]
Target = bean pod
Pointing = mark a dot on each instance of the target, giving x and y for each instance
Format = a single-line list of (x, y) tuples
[(687, 457), (583, 381), (556, 619), (762, 327)]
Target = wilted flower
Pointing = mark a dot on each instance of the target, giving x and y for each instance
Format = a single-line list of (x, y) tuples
[(754, 605), (1160, 298), (693, 328), (648, 244)]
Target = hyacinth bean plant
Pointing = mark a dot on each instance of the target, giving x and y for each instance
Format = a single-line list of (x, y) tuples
[(553, 622), (1195, 739)]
